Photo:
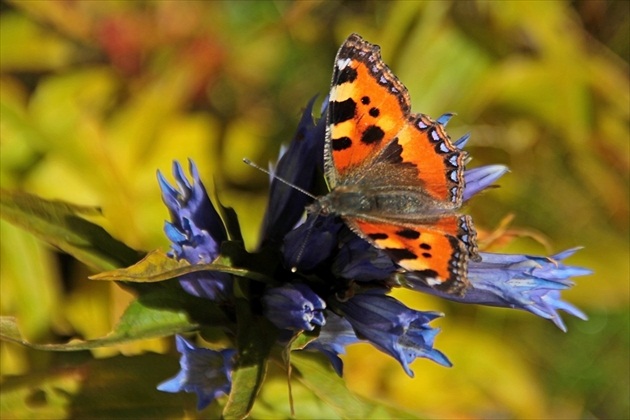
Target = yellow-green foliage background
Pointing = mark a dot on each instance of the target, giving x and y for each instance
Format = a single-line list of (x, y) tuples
[(97, 95)]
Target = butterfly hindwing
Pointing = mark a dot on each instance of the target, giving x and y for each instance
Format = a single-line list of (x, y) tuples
[(437, 253), (439, 164)]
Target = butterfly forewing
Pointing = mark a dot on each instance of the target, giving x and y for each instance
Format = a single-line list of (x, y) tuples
[(368, 107), (439, 164), (369, 115)]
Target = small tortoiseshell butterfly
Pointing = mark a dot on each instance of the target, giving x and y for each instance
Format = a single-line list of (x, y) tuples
[(395, 177)]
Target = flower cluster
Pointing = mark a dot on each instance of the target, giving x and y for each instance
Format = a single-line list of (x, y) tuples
[(331, 282)]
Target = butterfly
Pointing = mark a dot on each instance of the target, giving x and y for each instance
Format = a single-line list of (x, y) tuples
[(395, 177)]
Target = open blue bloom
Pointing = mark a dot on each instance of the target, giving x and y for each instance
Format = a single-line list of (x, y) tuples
[(393, 328), (195, 231), (531, 283), (333, 338), (294, 306), (203, 371)]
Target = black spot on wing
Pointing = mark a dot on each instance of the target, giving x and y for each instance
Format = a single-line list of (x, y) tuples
[(342, 111), (365, 100), (398, 254), (393, 152), (425, 246), (377, 236), (374, 112), (372, 134), (428, 273), (408, 233), (347, 75), (341, 143)]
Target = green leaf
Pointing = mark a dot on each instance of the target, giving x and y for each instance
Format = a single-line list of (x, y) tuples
[(316, 374), (129, 384), (256, 336), (303, 339), (160, 312), (64, 226), (41, 395), (117, 387), (157, 266)]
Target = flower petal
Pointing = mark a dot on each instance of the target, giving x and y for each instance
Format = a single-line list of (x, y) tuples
[(478, 179), (333, 338), (195, 231), (393, 328), (294, 307), (531, 283), (298, 167), (203, 371), (358, 260), (312, 242)]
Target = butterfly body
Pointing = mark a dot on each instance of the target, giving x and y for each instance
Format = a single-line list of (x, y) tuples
[(383, 203), (395, 177)]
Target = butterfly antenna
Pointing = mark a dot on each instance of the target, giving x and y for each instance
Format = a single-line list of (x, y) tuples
[(274, 176), (303, 191)]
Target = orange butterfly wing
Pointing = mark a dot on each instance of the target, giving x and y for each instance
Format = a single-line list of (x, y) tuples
[(369, 112), (395, 177), (436, 252)]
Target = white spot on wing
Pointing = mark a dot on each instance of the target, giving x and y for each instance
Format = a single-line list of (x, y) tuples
[(343, 63), (433, 281)]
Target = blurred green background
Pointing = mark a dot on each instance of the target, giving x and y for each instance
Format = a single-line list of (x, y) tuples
[(97, 95)]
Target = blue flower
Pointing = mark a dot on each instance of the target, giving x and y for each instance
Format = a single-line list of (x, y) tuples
[(333, 338), (327, 239), (325, 249), (478, 179), (294, 307), (311, 243), (358, 260), (393, 328), (203, 371), (195, 231), (299, 165), (531, 283), (335, 282)]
